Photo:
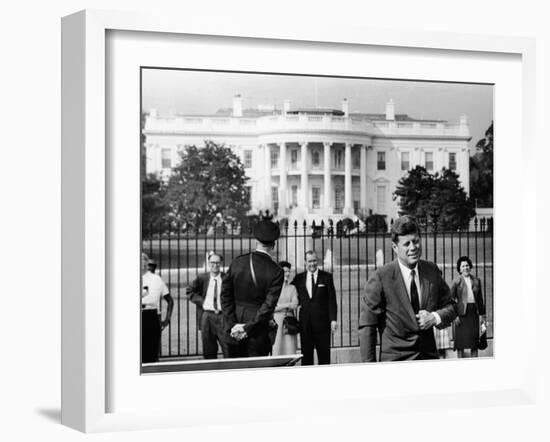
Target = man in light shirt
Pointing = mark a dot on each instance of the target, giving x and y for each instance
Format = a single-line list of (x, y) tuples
[(403, 301), (153, 291), (318, 310), (205, 292)]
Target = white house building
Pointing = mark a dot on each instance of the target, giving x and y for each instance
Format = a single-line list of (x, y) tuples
[(316, 164)]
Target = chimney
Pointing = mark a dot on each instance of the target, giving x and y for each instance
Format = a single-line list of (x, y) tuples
[(237, 106), (286, 106), (390, 110), (153, 113), (345, 107), (464, 120)]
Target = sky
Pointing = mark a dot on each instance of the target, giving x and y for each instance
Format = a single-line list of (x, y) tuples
[(203, 93)]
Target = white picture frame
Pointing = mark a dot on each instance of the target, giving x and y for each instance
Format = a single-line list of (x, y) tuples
[(87, 257)]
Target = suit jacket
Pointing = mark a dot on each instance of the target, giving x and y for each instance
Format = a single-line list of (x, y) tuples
[(459, 292), (245, 303), (319, 310), (386, 308), (198, 290)]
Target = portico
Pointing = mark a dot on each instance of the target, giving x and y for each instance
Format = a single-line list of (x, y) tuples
[(312, 167)]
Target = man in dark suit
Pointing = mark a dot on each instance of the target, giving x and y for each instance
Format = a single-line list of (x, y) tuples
[(250, 291), (318, 310), (205, 293), (403, 301)]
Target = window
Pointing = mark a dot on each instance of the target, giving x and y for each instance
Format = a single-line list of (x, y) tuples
[(405, 161), (338, 159), (248, 191), (316, 197), (294, 157), (247, 159), (452, 161), (315, 158), (381, 160), (275, 198), (166, 158), (274, 159), (429, 160), (338, 198), (294, 190), (356, 159)]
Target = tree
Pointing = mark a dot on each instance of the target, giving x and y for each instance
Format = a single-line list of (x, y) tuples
[(154, 209), (208, 181), (481, 171), (438, 198)]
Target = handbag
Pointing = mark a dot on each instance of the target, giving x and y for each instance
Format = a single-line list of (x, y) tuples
[(291, 325), (482, 340)]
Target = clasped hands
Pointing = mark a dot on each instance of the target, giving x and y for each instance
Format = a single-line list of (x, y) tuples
[(425, 319), (238, 332)]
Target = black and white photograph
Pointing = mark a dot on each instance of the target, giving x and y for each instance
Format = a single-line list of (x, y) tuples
[(300, 220)]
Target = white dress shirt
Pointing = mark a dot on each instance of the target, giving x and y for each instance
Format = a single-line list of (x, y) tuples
[(406, 273), (208, 303), (468, 281), (308, 281)]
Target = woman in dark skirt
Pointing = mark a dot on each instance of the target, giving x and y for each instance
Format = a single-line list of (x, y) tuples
[(466, 291)]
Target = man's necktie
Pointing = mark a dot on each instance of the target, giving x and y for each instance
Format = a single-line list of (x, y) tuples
[(312, 284), (216, 295), (415, 301)]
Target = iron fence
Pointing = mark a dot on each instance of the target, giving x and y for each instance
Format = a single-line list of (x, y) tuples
[(350, 253)]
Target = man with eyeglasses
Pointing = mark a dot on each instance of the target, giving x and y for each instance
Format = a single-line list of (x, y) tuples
[(205, 293)]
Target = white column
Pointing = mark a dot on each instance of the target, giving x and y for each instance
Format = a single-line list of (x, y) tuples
[(327, 177), (304, 182), (348, 200), (267, 179), (283, 181), (363, 177)]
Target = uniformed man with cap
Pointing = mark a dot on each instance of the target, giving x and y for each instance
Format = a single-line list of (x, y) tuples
[(250, 291)]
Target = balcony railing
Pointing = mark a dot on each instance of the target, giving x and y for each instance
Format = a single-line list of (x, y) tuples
[(261, 125)]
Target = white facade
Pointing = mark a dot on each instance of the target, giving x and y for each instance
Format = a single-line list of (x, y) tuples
[(317, 164)]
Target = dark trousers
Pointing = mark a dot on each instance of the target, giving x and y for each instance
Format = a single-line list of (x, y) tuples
[(320, 341), (259, 345), (150, 335), (212, 334)]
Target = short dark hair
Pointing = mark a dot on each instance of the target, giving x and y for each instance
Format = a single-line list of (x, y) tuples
[(404, 225), (284, 264), (461, 260), (211, 254)]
